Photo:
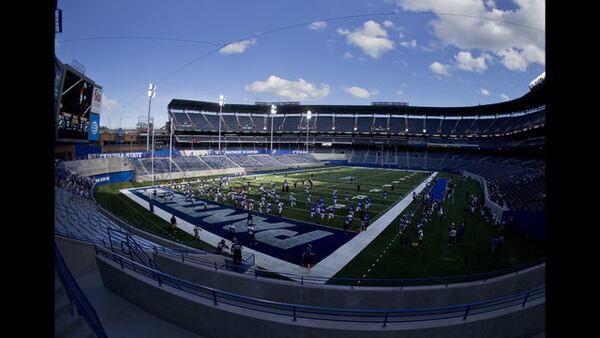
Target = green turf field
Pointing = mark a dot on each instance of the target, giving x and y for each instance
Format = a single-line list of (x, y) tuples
[(324, 181), (386, 257)]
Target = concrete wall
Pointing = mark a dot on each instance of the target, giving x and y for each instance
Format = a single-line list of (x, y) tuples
[(330, 156), (79, 256), (203, 317), (357, 297), (99, 166), (213, 172), (495, 209)]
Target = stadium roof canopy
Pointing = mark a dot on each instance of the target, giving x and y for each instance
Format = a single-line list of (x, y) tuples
[(533, 99)]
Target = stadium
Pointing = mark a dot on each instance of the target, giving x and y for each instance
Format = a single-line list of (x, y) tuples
[(292, 219)]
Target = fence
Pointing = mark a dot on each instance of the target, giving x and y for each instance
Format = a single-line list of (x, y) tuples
[(77, 297), (296, 311)]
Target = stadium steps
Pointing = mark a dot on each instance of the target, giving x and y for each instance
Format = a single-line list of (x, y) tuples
[(67, 325)]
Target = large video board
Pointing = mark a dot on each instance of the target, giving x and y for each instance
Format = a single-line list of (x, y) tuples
[(76, 104)]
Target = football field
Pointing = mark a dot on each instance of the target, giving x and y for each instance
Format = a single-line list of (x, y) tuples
[(372, 181)]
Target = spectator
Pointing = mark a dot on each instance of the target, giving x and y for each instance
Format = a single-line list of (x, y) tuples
[(196, 230)]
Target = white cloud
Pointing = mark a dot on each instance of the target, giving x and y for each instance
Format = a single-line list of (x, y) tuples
[(399, 92), (513, 60), (292, 90), (388, 24), (490, 29), (109, 104), (504, 97), (485, 92), (237, 47), (371, 38), (440, 68), (412, 43), (348, 55), (467, 62), (318, 25), (360, 93)]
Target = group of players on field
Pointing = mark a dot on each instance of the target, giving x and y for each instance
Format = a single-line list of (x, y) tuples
[(221, 190)]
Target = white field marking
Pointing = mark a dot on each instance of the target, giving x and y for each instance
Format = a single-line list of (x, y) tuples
[(333, 263), (261, 259)]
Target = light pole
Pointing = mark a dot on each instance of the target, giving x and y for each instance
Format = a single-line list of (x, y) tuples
[(308, 116), (151, 94), (170, 146), (273, 112), (153, 152), (221, 103)]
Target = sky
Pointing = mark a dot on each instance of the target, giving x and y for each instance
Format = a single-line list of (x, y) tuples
[(424, 52)]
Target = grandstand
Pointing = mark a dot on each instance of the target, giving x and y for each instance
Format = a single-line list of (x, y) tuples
[(328, 222)]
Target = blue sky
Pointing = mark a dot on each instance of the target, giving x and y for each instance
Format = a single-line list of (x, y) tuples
[(464, 52)]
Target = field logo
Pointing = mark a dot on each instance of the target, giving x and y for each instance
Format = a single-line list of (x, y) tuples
[(375, 190), (359, 197)]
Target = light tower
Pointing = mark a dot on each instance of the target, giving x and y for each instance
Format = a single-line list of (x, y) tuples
[(221, 103), (308, 116), (151, 94), (273, 112)]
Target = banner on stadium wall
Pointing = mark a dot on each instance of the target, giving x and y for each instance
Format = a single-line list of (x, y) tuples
[(94, 127), (96, 100), (161, 153), (115, 155), (83, 150), (233, 152), (193, 152), (122, 176)]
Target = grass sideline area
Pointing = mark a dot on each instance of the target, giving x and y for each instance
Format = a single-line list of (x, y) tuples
[(386, 257), (109, 197)]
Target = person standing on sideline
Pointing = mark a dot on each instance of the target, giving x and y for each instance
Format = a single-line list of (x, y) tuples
[(249, 219), (357, 187), (452, 237), (461, 232), (252, 235), (220, 247), (196, 230), (232, 231), (173, 222), (236, 251), (307, 256)]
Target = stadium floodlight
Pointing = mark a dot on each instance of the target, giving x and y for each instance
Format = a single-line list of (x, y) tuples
[(273, 112), (308, 116), (424, 130), (221, 103), (151, 94)]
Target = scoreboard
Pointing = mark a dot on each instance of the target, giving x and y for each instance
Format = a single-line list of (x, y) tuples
[(78, 107)]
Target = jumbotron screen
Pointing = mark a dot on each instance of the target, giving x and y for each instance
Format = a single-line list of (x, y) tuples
[(75, 107)]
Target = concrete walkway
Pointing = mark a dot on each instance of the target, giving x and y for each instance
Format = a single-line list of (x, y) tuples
[(121, 318)]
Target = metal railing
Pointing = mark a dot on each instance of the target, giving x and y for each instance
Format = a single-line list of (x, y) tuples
[(249, 261), (297, 311), (77, 297)]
